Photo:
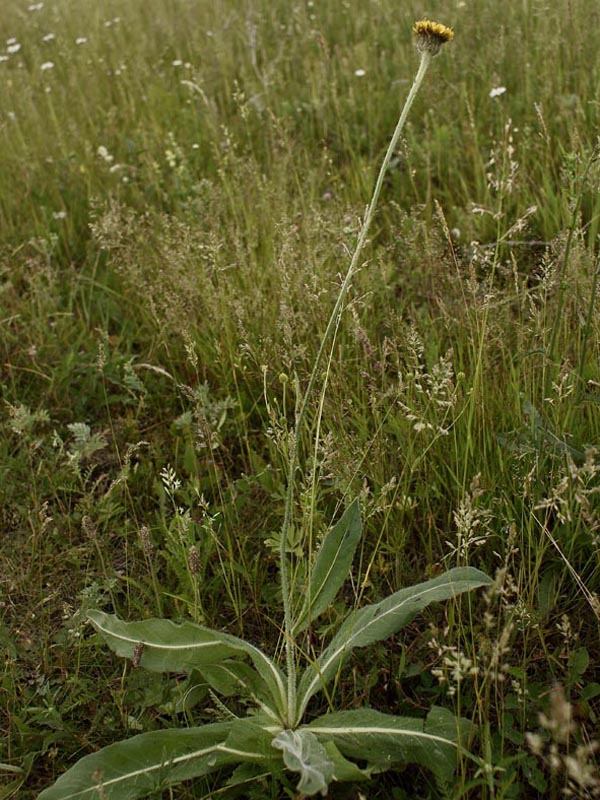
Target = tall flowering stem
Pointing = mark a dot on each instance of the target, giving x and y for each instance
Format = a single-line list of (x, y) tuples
[(429, 38)]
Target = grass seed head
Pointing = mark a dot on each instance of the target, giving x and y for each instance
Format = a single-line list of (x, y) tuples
[(430, 36), (194, 560), (146, 541)]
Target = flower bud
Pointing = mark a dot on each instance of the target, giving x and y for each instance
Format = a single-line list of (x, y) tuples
[(430, 36)]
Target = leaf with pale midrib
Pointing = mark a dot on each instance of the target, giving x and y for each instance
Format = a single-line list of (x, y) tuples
[(331, 566), (379, 621), (143, 764), (383, 740), (181, 647)]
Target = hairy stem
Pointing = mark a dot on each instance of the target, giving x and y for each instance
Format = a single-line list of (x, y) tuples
[(328, 339)]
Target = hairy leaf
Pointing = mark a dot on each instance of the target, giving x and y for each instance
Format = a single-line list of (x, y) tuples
[(385, 741), (232, 678), (380, 620), (303, 753), (332, 565), (146, 763), (344, 770), (164, 646)]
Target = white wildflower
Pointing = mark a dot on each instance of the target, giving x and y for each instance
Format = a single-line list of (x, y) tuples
[(103, 153)]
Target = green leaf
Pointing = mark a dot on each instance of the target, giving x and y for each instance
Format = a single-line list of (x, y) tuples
[(233, 678), (303, 753), (162, 645), (547, 594), (250, 773), (344, 770), (381, 620), (191, 692), (331, 566), (385, 741), (165, 646), (590, 691), (10, 788), (579, 661), (11, 768), (149, 762), (272, 678)]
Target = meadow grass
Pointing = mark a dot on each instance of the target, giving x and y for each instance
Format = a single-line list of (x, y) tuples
[(180, 193)]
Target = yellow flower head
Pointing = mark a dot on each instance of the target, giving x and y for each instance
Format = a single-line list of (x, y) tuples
[(430, 36)]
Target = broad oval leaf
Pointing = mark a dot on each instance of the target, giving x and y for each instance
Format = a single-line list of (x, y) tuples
[(164, 646), (332, 565), (385, 741), (151, 761), (381, 620)]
